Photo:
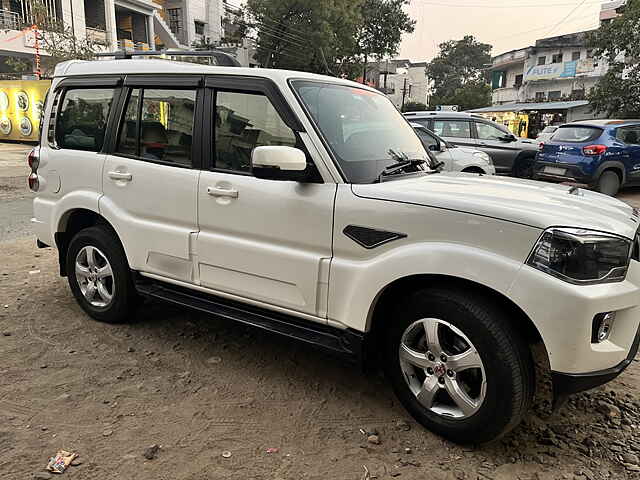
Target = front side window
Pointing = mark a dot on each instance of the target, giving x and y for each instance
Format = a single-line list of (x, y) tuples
[(363, 129), (82, 119), (489, 132), (427, 139), (452, 128), (158, 125), (244, 121)]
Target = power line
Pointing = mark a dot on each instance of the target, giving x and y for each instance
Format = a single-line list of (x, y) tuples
[(539, 28), (565, 18)]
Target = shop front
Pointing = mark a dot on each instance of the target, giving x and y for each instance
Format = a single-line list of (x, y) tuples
[(21, 103)]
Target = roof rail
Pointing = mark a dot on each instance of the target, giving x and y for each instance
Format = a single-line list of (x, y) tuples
[(220, 58)]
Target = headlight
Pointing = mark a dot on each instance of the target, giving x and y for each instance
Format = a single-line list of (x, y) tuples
[(581, 257), (484, 157)]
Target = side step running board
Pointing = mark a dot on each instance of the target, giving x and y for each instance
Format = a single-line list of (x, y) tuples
[(346, 344)]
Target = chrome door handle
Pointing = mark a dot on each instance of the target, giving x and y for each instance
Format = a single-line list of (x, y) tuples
[(120, 176), (222, 192)]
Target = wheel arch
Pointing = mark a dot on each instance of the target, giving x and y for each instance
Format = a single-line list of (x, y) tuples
[(70, 223), (617, 167)]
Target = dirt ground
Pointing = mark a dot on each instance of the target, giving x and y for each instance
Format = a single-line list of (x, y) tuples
[(200, 387)]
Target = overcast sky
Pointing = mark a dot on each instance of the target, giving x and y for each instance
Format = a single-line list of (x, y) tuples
[(505, 24)]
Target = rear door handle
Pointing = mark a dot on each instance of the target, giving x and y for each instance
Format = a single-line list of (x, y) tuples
[(120, 176), (222, 192)]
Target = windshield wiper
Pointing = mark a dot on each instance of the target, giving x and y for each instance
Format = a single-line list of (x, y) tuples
[(402, 162)]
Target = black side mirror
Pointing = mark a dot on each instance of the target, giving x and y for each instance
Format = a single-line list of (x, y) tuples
[(508, 138), (434, 147)]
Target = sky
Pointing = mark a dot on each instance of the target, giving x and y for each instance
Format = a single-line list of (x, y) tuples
[(505, 24)]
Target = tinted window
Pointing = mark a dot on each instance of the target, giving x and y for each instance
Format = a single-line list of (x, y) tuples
[(452, 128), (243, 122), (629, 135), (162, 129), (576, 134), (428, 139), (489, 132), (82, 119)]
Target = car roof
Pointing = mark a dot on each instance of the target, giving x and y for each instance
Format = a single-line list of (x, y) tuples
[(602, 123), (424, 114), (153, 67)]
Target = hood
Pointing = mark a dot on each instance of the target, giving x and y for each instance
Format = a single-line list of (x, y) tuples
[(528, 202)]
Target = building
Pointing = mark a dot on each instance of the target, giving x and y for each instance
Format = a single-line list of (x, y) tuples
[(401, 80), (135, 24)]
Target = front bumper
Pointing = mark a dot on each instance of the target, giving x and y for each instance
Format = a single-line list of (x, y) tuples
[(565, 384)]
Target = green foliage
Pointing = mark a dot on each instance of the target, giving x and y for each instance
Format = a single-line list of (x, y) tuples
[(618, 43), (458, 74), (414, 107), (326, 36)]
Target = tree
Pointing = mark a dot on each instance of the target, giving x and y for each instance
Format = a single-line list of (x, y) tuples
[(458, 74), (617, 93), (414, 107), (380, 30)]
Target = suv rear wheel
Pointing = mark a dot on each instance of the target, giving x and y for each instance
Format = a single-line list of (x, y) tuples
[(457, 367), (609, 183), (99, 276)]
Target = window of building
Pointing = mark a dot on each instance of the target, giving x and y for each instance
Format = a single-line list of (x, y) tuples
[(158, 126), (174, 15), (554, 95), (243, 122), (557, 58), (540, 96), (452, 128), (82, 119), (518, 81), (575, 56), (488, 132), (199, 27), (578, 94), (542, 60)]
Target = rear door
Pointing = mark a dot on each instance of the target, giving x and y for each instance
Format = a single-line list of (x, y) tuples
[(150, 176), (502, 152), (269, 241)]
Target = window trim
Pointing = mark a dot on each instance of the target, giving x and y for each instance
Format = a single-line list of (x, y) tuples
[(60, 95), (196, 141)]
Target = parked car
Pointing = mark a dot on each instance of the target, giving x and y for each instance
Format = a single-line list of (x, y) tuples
[(453, 158), (603, 154), (511, 155), (303, 205), (546, 134)]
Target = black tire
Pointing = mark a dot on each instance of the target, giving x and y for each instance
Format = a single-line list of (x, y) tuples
[(507, 364), (609, 183), (524, 167), (124, 299)]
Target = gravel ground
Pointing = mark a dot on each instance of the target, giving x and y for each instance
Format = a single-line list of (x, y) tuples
[(201, 388)]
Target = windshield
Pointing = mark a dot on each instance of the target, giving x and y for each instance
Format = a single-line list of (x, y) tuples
[(361, 127)]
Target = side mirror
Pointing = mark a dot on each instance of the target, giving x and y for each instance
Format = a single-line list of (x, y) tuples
[(508, 138), (435, 148), (279, 163)]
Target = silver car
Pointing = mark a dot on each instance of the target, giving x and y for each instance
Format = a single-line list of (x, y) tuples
[(452, 157)]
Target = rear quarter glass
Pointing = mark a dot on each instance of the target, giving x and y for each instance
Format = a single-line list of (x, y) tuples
[(577, 134)]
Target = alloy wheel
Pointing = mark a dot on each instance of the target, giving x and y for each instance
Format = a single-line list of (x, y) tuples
[(94, 276)]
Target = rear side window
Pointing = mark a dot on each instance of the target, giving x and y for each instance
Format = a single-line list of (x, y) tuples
[(577, 134), (452, 128), (82, 119), (158, 125), (629, 135)]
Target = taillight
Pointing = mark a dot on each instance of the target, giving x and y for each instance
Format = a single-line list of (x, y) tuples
[(34, 160), (594, 149), (34, 183), (541, 146)]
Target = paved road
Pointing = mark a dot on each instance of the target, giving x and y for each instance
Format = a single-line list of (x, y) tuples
[(15, 197)]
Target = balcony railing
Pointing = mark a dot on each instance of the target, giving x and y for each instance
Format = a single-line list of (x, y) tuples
[(97, 35), (9, 20)]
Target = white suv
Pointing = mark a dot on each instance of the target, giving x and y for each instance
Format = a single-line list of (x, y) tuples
[(303, 205)]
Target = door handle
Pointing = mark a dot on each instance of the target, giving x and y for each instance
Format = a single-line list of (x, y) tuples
[(222, 192), (120, 176)]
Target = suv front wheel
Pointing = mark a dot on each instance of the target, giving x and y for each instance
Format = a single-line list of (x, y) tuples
[(457, 366), (99, 275)]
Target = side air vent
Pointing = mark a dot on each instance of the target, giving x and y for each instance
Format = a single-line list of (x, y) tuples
[(370, 237)]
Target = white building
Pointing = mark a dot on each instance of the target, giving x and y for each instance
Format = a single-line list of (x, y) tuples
[(403, 80)]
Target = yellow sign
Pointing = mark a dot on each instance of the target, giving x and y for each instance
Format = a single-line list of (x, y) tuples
[(21, 104)]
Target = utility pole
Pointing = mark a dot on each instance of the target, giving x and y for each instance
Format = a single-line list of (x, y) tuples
[(404, 93)]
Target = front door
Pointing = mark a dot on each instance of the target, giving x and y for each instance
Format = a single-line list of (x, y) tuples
[(263, 240), (150, 178), (502, 152)]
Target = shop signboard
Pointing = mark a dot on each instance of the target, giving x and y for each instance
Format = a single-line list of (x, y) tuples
[(21, 103), (549, 72), (586, 65)]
